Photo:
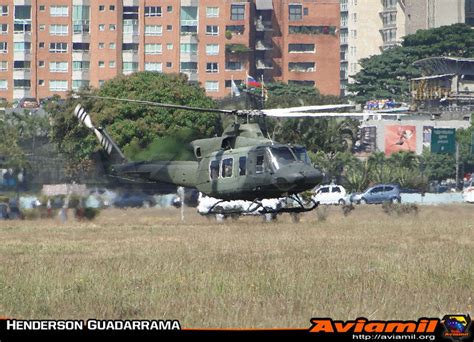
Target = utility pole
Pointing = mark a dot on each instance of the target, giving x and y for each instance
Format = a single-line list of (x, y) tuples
[(457, 165)]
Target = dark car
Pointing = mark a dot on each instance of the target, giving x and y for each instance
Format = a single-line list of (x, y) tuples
[(379, 193), (134, 201), (28, 102)]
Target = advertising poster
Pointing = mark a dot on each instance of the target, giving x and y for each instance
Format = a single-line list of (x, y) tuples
[(366, 142), (427, 136), (399, 138)]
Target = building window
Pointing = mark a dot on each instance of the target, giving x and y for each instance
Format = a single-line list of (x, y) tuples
[(23, 12), (101, 8), (212, 49), (101, 45), (80, 19), (59, 11), (42, 27), (3, 84), (112, 64), (58, 85), (212, 30), (112, 8), (305, 11), (22, 84), (79, 84), (3, 66), (169, 27), (302, 83), (42, 8), (22, 47), (295, 12), (3, 28), (41, 64), (112, 27), (212, 86), (101, 27), (153, 30), (169, 46), (237, 12), (189, 48), (80, 65), (169, 64), (212, 12), (153, 66), (3, 47), (80, 47), (3, 11), (129, 67), (354, 34), (41, 83), (234, 66), (301, 48), (130, 26), (153, 11), (169, 9), (189, 66), (21, 65), (58, 30), (58, 47), (132, 47), (58, 66), (301, 66), (153, 49), (130, 13), (212, 67), (112, 46), (101, 64)]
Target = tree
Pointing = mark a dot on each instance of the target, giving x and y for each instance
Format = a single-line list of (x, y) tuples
[(387, 75), (134, 126)]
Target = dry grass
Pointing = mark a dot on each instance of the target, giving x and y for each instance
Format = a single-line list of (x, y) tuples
[(147, 264)]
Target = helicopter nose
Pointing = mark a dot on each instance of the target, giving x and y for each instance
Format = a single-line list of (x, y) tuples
[(313, 177)]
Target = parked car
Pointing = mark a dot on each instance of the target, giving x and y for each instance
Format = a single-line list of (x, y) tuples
[(378, 194), (330, 194), (28, 102), (135, 200)]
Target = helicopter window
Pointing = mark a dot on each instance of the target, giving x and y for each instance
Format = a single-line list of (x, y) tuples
[(242, 166), (281, 156), (259, 165), (301, 154), (227, 167), (214, 169)]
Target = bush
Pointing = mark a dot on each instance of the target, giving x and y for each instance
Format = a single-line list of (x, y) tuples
[(91, 213), (31, 214), (399, 209)]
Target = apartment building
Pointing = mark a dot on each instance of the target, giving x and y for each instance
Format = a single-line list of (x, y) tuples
[(51, 47), (368, 27)]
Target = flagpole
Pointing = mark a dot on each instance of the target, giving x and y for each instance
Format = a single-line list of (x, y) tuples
[(232, 86), (263, 99)]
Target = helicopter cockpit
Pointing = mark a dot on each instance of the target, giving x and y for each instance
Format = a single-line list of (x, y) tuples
[(280, 156)]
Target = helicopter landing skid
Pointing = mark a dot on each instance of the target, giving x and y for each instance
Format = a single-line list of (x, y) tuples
[(292, 204)]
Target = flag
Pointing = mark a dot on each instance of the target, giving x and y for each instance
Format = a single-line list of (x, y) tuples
[(234, 90), (251, 82)]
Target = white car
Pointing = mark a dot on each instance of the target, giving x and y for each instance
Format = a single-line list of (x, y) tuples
[(331, 194), (468, 194)]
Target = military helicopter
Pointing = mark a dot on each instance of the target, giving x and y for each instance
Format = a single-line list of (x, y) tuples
[(242, 164)]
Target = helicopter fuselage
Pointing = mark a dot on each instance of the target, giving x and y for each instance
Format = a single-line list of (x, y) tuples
[(267, 170)]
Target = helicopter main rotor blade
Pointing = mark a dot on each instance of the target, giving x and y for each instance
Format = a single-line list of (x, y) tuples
[(270, 112), (165, 105), (330, 115)]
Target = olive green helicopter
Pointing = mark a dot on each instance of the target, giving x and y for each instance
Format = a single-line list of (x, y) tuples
[(242, 164)]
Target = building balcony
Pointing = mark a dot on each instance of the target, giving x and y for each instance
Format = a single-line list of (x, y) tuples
[(236, 48), (262, 65), (22, 55), (22, 37), (81, 38), (81, 56), (262, 25), (19, 93), (188, 57), (389, 9), (22, 74), (261, 45), (192, 75), (129, 38), (188, 39), (130, 56), (80, 75)]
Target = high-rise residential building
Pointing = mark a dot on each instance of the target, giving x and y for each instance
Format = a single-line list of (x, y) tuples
[(422, 15), (469, 12), (51, 47), (368, 27)]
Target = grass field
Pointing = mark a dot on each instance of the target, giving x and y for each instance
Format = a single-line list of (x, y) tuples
[(145, 263)]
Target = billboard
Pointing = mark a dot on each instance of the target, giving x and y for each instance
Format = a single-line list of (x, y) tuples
[(443, 140), (399, 138)]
